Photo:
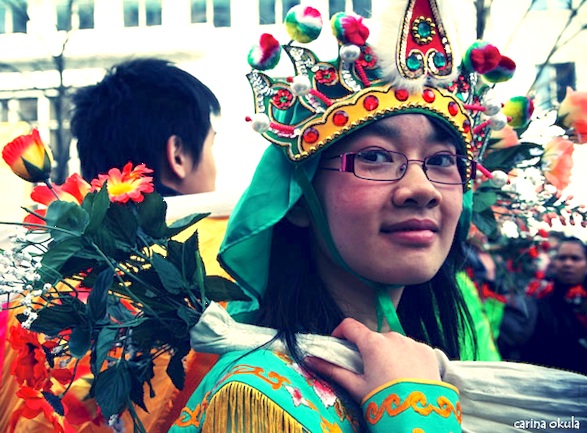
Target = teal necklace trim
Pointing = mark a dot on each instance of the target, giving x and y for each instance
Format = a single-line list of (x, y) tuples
[(385, 308)]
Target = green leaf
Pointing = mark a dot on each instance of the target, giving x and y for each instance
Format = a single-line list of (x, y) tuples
[(67, 216), (486, 223), (122, 223), (111, 389), (80, 340), (508, 158), (98, 298), (175, 369), (221, 289), (483, 199), (104, 342), (54, 318), (181, 254), (170, 277), (151, 215), (183, 223), (57, 255), (96, 204)]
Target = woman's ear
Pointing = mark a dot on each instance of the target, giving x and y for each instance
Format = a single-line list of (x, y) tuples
[(177, 158), (298, 215)]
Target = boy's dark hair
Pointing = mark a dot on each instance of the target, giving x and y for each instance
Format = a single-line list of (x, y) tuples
[(132, 112)]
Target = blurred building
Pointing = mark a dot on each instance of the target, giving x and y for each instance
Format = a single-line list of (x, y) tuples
[(49, 47)]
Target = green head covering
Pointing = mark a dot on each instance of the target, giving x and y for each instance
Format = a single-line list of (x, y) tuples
[(325, 101)]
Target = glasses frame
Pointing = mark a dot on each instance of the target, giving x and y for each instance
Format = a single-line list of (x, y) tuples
[(347, 165)]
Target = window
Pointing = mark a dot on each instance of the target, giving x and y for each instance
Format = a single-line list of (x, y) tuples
[(551, 85), (153, 12), (543, 5), (221, 13), (27, 109), (131, 13), (362, 7), (85, 12), (266, 11), (2, 18), (142, 13), (274, 11), (199, 11), (4, 110), (64, 9), (19, 16)]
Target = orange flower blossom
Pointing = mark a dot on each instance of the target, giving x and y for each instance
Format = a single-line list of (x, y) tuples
[(74, 189), (28, 157), (506, 137), (572, 114), (557, 162), (130, 184)]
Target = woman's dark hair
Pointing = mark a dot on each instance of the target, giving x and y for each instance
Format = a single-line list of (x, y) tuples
[(132, 112), (297, 301)]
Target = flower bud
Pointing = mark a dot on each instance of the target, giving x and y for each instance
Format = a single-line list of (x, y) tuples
[(28, 157)]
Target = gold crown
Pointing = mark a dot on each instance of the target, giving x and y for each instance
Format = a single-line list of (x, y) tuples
[(323, 101)]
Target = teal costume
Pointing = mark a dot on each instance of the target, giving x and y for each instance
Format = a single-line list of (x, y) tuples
[(278, 396)]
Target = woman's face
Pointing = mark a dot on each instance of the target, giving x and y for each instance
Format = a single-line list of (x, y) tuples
[(570, 263), (392, 232)]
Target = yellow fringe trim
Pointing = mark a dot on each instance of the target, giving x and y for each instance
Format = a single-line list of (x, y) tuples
[(240, 408)]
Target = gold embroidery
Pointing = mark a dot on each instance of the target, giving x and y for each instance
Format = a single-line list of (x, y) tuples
[(417, 401), (189, 417), (274, 379)]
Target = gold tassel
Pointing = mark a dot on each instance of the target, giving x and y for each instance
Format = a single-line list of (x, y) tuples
[(240, 408)]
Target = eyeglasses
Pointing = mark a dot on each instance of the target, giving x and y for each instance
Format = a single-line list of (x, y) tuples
[(387, 165)]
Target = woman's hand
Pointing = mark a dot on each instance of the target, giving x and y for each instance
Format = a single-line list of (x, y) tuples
[(386, 357)]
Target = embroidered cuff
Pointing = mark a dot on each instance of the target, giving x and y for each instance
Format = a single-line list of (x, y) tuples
[(414, 406)]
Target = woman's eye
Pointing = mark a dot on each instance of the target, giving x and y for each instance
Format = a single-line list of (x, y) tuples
[(441, 160), (375, 156)]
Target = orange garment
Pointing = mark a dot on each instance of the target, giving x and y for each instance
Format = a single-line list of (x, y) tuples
[(166, 406)]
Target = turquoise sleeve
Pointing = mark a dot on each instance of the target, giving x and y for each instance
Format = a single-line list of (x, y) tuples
[(413, 406)]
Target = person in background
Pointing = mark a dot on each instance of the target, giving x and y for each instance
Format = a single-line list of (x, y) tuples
[(146, 111), (559, 337)]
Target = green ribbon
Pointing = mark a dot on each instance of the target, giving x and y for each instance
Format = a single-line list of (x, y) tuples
[(384, 307)]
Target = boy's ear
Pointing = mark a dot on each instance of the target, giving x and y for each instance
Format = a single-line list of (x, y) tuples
[(176, 155), (298, 215)]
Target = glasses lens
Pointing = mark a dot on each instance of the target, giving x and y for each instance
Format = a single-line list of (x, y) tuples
[(379, 164), (448, 168)]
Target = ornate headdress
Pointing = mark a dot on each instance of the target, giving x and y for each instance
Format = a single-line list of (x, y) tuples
[(415, 71)]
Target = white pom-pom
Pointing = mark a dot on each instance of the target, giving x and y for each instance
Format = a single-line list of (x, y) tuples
[(300, 85), (498, 122), (499, 178), (350, 52), (260, 123), (492, 107)]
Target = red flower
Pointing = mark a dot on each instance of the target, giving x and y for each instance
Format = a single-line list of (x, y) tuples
[(28, 157), (572, 114), (73, 190), (283, 99), (326, 76), (130, 184), (557, 162), (30, 365), (37, 402)]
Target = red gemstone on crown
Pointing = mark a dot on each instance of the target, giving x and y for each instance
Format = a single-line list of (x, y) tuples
[(466, 126), (453, 108), (340, 118), (428, 96), (371, 103), (311, 135), (402, 95)]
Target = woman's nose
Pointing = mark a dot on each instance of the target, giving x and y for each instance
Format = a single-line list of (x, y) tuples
[(415, 189)]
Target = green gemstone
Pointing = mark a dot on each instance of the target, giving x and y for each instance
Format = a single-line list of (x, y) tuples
[(424, 29), (439, 60), (413, 62)]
